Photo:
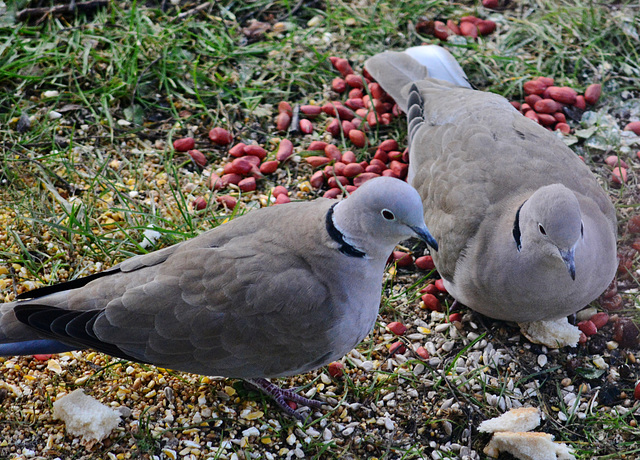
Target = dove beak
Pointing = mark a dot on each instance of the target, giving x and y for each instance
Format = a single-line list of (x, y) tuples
[(568, 258), (424, 235)]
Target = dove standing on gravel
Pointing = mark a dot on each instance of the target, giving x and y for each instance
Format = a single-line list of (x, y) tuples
[(277, 292), (525, 231)]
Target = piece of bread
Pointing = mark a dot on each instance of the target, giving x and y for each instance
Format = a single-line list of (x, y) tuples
[(85, 416), (521, 419), (554, 334), (528, 446)]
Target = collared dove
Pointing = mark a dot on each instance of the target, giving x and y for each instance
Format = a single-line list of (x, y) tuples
[(525, 231), (277, 292)]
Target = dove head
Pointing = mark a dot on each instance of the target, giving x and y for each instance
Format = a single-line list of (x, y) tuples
[(550, 222), (379, 214)]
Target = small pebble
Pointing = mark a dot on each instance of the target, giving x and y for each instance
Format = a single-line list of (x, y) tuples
[(586, 313), (367, 366), (448, 346), (347, 431), (252, 431), (389, 424), (314, 21), (600, 362)]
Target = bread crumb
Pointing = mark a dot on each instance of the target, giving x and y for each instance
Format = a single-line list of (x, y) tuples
[(520, 419), (554, 334), (528, 446), (85, 416)]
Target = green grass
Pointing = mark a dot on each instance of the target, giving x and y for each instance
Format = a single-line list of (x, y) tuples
[(77, 193)]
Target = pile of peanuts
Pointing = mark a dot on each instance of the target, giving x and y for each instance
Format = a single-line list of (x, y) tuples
[(590, 326), (624, 331), (366, 106), (469, 26), (248, 164), (348, 173), (544, 102)]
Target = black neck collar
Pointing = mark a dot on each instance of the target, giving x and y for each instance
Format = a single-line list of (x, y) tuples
[(338, 237), (516, 228)]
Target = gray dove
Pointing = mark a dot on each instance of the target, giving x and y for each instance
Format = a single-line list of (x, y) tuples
[(525, 231), (277, 292)]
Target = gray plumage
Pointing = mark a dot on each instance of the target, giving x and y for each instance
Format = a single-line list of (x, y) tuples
[(516, 213), (276, 292)]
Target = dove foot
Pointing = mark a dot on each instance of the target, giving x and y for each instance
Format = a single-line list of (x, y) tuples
[(281, 397)]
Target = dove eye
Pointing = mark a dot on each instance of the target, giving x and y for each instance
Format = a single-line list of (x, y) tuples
[(388, 215), (542, 230)]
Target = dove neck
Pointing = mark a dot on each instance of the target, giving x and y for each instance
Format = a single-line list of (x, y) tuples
[(336, 235)]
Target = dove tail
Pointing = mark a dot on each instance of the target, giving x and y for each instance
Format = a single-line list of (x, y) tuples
[(34, 347), (441, 64), (395, 71)]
